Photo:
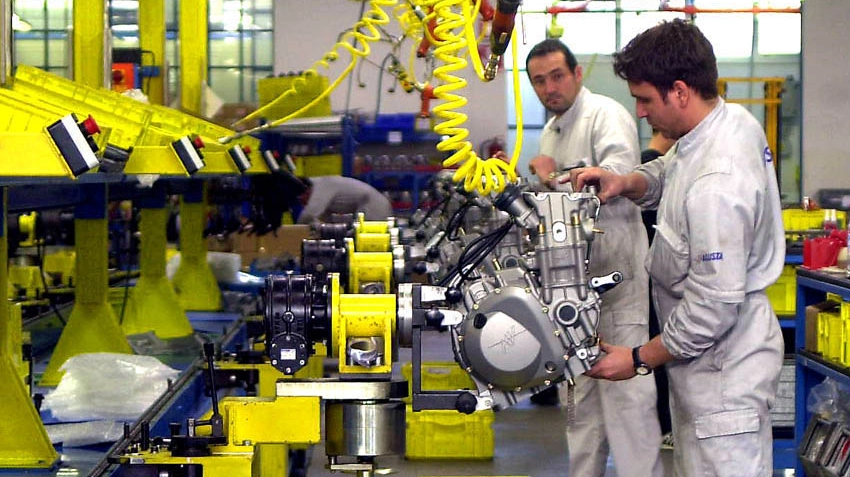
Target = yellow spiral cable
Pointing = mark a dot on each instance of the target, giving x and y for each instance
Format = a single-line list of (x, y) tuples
[(364, 32), (477, 174)]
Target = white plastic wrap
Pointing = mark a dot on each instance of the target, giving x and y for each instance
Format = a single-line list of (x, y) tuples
[(108, 386), (78, 434)]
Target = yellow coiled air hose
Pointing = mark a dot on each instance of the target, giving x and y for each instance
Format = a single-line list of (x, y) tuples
[(484, 176)]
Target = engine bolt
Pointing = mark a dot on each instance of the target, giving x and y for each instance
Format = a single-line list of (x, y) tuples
[(517, 389), (274, 361), (547, 382), (475, 306), (497, 291), (557, 332), (459, 338), (566, 357), (545, 310), (490, 386)]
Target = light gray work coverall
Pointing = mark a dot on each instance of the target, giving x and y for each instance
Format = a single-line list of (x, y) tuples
[(719, 243), (344, 195), (619, 417)]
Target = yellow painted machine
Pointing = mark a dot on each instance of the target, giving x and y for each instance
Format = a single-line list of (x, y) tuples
[(130, 115), (54, 143)]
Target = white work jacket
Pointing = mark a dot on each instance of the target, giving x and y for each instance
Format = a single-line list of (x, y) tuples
[(719, 243)]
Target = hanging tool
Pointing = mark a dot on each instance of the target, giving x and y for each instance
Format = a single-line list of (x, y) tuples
[(500, 35)]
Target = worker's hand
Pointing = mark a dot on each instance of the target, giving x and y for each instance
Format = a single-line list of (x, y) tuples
[(615, 365), (544, 168), (608, 184)]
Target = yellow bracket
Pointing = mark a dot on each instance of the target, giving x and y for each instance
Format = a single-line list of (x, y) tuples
[(358, 317), (369, 267)]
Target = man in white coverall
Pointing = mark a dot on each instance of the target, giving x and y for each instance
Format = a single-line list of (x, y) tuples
[(326, 195), (594, 130), (719, 243)]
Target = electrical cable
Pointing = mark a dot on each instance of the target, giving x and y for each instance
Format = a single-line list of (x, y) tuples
[(474, 254), (369, 23)]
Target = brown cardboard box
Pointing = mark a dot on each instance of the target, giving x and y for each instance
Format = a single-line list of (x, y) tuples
[(286, 240), (229, 113), (812, 323), (216, 243)]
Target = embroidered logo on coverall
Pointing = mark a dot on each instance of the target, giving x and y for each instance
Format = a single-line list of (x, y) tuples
[(710, 257), (768, 156)]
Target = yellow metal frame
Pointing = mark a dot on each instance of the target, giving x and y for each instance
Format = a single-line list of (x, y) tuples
[(23, 440), (254, 448), (194, 281), (149, 124), (92, 326), (361, 316), (366, 267), (153, 305)]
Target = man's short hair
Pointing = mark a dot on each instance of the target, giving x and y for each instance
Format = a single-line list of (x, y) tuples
[(552, 45), (669, 52)]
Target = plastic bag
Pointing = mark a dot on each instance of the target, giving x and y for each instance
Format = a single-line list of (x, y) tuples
[(78, 434), (108, 386), (830, 400)]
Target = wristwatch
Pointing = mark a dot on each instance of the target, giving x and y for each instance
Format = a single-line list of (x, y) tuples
[(641, 368)]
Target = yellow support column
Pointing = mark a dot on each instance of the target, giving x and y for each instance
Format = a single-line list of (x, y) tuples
[(23, 440), (193, 54), (152, 39), (90, 45), (153, 304), (194, 281), (92, 326)]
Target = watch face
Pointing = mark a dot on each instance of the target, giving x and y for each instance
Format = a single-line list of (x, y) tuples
[(643, 370)]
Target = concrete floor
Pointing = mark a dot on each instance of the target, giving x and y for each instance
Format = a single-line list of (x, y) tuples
[(529, 441)]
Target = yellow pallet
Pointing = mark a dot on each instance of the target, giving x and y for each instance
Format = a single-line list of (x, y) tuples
[(798, 219), (449, 435), (783, 293), (319, 165), (438, 376)]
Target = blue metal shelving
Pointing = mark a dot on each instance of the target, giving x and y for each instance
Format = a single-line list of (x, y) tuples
[(811, 368)]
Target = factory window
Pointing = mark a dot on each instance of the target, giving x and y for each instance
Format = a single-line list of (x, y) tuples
[(241, 43), (601, 27), (41, 34)]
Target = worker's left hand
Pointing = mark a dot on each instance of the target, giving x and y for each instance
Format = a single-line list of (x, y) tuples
[(615, 364)]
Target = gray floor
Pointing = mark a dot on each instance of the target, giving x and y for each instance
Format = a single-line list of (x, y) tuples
[(529, 441)]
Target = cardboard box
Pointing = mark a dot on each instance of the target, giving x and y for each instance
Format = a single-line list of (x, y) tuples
[(229, 113), (285, 240), (812, 312)]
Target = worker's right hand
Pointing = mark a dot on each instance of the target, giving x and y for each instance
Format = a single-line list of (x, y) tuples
[(544, 168), (608, 184)]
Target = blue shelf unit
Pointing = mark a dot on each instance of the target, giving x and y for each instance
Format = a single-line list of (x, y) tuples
[(812, 368)]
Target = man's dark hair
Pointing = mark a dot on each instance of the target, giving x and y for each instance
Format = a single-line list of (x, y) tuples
[(551, 45), (669, 52)]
